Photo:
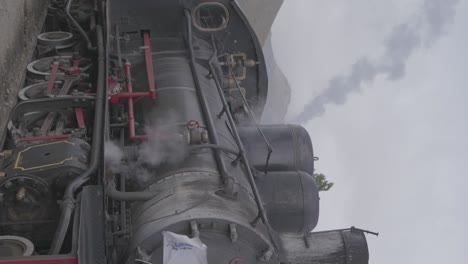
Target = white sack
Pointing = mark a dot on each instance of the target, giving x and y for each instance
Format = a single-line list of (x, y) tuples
[(180, 249)]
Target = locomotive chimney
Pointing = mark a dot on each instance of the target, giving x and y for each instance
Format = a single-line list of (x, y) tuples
[(345, 246)]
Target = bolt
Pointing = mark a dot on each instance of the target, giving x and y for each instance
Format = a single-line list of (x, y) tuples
[(233, 232), (21, 194), (237, 261), (267, 254)]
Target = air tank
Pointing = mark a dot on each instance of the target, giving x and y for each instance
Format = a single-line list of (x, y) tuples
[(291, 145), (291, 200)]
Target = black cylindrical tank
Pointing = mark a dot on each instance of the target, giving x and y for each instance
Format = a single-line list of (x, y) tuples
[(291, 200), (291, 144)]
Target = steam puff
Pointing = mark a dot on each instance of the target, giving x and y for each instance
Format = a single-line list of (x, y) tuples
[(113, 156), (112, 152), (165, 144), (404, 39)]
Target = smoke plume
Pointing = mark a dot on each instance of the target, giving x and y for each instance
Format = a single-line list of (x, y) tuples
[(405, 38)]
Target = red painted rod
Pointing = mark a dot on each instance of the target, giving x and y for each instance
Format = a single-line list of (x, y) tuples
[(80, 117), (53, 75), (41, 260), (149, 64), (40, 138), (116, 97), (131, 115), (51, 116)]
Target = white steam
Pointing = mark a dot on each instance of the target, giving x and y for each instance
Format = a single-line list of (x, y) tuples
[(165, 141), (113, 156)]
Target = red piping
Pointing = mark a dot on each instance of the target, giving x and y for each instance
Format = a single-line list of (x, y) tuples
[(131, 116), (130, 94), (149, 64), (116, 97), (40, 138)]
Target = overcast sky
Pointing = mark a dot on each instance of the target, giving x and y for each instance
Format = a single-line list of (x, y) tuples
[(396, 148)]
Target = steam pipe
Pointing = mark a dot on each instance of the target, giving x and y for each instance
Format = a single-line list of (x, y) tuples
[(116, 97), (115, 194), (229, 186), (68, 203), (77, 25), (117, 38), (213, 146), (131, 117)]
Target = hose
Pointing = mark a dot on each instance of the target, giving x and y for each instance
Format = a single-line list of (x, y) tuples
[(68, 203), (78, 27)]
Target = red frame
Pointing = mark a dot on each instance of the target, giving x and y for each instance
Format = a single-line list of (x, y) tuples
[(55, 259)]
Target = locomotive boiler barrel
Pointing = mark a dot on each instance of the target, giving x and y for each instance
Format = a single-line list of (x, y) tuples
[(177, 96), (189, 188), (168, 119)]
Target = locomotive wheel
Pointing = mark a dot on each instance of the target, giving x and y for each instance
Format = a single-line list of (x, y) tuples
[(38, 90), (68, 65), (56, 39)]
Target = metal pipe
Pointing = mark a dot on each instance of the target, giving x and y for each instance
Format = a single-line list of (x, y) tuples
[(115, 194), (78, 27), (131, 117), (123, 206), (213, 146), (245, 160), (68, 203), (149, 64), (45, 138), (116, 97), (230, 188), (117, 39)]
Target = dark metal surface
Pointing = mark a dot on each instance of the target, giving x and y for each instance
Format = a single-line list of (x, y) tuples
[(291, 200), (58, 162), (344, 246), (91, 232), (291, 144)]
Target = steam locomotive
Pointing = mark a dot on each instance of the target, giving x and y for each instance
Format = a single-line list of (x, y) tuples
[(139, 118)]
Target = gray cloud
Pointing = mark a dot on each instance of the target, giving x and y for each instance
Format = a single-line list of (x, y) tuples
[(405, 38)]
